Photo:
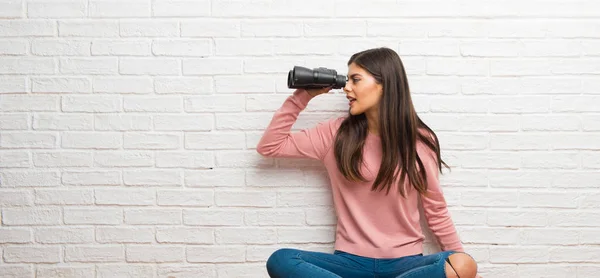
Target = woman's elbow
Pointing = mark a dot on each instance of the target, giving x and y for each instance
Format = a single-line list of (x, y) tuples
[(264, 150)]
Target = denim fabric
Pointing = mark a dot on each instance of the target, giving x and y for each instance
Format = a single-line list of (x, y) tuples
[(291, 263)]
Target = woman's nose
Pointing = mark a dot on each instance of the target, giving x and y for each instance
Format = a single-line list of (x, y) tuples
[(347, 87)]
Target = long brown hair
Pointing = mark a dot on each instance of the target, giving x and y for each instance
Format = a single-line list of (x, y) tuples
[(398, 127)]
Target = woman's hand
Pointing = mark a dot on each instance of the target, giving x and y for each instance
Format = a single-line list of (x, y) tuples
[(478, 276), (316, 92)]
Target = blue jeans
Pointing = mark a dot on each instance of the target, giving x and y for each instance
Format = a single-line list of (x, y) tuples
[(289, 262)]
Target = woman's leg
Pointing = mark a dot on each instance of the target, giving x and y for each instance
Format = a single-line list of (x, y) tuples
[(447, 264), (292, 263)]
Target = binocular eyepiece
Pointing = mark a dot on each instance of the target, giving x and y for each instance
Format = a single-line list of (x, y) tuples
[(301, 77)]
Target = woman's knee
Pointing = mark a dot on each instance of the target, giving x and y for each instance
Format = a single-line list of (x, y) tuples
[(279, 258), (461, 266)]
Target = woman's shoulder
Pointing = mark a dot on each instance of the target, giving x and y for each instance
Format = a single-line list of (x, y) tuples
[(334, 122)]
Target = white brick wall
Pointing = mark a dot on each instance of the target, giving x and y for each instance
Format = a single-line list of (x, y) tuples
[(128, 130)]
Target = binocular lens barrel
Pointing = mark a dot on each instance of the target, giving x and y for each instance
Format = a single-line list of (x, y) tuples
[(301, 77)]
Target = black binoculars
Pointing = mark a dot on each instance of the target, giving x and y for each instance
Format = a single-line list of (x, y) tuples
[(301, 77)]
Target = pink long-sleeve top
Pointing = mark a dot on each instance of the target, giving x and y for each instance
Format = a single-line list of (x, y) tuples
[(369, 223)]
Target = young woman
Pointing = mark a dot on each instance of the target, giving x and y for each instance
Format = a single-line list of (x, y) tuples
[(381, 159)]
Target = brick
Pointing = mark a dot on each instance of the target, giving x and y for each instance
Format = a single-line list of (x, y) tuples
[(153, 104), (61, 47), (30, 103), (278, 9), (520, 218), (180, 8), (520, 179), (200, 198), (148, 28), (520, 105), (271, 28), (542, 160), (10, 271), (15, 159), (185, 235), (13, 84), (123, 159), (216, 254), (183, 85), (44, 121), (93, 216), (237, 121), (125, 235), (214, 178), (182, 47), (91, 140), (198, 122), (267, 177), (153, 216), (12, 9), (548, 199), (64, 235), (15, 235), (489, 198), (30, 140), (64, 271), (62, 159), (106, 9), (252, 47), (64, 196), (30, 178), (212, 66), (214, 140), (573, 219), (129, 84), (151, 141), (91, 66), (101, 104), (248, 270), (305, 235), (213, 217), (75, 9), (471, 104), (149, 66), (13, 47), (242, 159), (112, 270), (20, 197), (121, 47), (309, 198), (245, 198), (91, 178), (121, 122), (494, 48), (129, 197), (27, 28), (536, 236), (103, 253), (32, 254), (528, 254), (574, 254), (218, 28), (155, 254), (14, 121), (189, 159), (152, 177), (207, 270), (491, 236), (236, 235), (454, 67)]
